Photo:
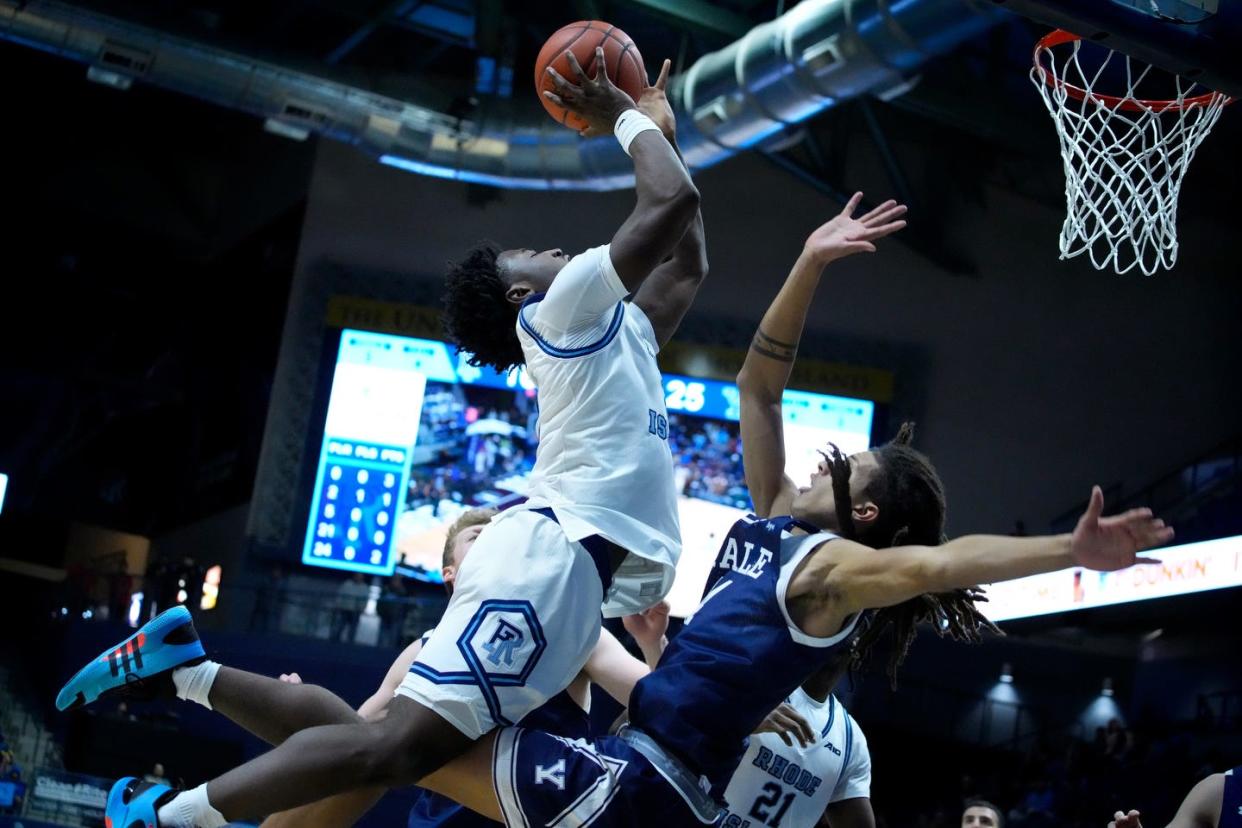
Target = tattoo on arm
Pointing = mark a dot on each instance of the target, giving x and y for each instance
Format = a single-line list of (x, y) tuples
[(773, 348)]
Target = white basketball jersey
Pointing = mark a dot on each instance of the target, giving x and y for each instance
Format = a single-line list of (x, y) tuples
[(603, 462), (790, 787)]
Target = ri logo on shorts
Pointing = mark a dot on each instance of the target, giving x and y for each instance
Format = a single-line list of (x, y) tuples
[(502, 644), (505, 639)]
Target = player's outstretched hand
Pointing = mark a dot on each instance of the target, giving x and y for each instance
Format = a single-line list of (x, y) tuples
[(1106, 544), (649, 626), (784, 721), (1130, 820), (597, 100), (845, 235), (654, 104)]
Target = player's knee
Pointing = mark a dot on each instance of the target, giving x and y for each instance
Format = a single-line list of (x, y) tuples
[(414, 741), (379, 757)]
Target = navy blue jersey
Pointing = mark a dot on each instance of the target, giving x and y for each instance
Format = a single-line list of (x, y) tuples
[(1231, 802), (559, 715), (738, 656)]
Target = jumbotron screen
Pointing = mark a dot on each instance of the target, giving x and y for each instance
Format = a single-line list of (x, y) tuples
[(415, 435)]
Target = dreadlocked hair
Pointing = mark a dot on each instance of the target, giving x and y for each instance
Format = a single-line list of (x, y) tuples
[(478, 318), (911, 501)]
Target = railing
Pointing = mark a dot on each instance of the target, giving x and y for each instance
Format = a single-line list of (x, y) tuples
[(313, 608), (1169, 494), (378, 620)]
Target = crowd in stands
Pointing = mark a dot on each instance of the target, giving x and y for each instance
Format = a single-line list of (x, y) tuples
[(12, 784), (475, 441), (708, 457)]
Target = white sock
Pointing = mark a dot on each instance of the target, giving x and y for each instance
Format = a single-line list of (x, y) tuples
[(190, 809), (194, 683)]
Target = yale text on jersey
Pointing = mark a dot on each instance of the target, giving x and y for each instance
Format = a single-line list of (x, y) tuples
[(748, 560)]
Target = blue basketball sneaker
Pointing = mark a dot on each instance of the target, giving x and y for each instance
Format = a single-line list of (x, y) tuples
[(142, 663), (133, 803)]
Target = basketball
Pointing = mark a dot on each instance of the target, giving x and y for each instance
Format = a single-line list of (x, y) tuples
[(621, 60)]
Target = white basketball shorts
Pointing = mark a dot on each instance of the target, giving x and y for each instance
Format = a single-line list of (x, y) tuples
[(524, 617)]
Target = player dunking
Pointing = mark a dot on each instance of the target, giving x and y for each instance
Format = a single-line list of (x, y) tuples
[(601, 525)]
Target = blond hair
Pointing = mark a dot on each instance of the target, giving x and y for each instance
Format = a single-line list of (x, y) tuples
[(467, 519)]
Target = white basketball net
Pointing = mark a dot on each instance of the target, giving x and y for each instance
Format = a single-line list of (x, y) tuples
[(1124, 157)]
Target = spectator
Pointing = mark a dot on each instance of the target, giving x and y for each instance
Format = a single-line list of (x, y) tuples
[(1115, 739), (393, 608), (351, 599), (12, 791), (980, 813), (156, 776)]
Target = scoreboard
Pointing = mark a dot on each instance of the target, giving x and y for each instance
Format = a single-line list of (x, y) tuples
[(364, 461)]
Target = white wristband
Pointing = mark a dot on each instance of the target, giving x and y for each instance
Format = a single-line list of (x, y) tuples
[(629, 124)]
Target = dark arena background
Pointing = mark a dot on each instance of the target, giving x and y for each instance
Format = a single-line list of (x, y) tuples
[(227, 229)]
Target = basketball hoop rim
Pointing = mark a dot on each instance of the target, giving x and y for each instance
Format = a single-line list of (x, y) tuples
[(1060, 37)]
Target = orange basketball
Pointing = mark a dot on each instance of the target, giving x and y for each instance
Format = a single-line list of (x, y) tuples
[(621, 60)]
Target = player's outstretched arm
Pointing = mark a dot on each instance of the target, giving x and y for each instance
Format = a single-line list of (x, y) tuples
[(1200, 809), (669, 291), (765, 373), (667, 200), (852, 577), (612, 667)]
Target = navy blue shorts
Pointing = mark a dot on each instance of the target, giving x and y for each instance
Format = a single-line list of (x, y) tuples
[(545, 781)]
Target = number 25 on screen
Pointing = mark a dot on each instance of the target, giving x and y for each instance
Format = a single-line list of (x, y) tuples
[(685, 396)]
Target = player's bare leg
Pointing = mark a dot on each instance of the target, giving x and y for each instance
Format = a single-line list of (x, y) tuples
[(321, 761), (274, 710)]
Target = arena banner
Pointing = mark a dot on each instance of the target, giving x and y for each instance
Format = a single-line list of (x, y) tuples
[(676, 357), (71, 788), (61, 796), (1185, 569), (397, 318)]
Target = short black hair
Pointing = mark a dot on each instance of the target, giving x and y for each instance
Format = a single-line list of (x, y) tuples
[(983, 803), (478, 317)]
